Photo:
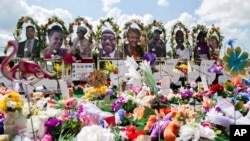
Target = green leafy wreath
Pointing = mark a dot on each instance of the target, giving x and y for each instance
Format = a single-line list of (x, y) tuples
[(158, 24), (195, 31), (215, 30), (77, 22), (115, 28), (142, 28), (185, 30), (19, 28), (44, 28)]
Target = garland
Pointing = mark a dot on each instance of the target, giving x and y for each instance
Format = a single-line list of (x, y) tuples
[(45, 28), (115, 29), (77, 22), (179, 25), (143, 29), (19, 28), (160, 26), (215, 30)]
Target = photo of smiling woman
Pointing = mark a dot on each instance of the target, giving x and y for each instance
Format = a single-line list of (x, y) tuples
[(108, 45)]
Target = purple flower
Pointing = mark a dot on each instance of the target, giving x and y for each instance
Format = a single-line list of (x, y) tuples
[(164, 100), (53, 122), (217, 108), (186, 94), (151, 57), (216, 69), (117, 104), (109, 92)]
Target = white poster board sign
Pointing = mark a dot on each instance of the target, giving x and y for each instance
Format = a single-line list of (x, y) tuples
[(202, 71), (165, 85), (122, 69), (50, 84), (80, 71), (169, 70)]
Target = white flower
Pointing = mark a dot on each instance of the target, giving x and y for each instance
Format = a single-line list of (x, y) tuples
[(130, 62), (134, 75), (207, 132), (95, 133), (188, 132), (11, 104), (25, 109)]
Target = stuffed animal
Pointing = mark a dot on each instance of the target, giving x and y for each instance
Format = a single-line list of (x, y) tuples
[(171, 131), (151, 120)]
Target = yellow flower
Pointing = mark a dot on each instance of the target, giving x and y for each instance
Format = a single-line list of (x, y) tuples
[(88, 96), (110, 67), (3, 103), (58, 67), (102, 89)]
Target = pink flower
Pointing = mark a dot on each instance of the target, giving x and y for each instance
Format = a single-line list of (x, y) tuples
[(47, 137), (72, 102)]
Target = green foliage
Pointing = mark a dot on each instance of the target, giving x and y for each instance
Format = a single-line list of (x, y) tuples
[(129, 106)]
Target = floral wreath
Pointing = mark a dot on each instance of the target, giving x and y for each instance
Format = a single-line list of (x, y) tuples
[(160, 26), (215, 30), (19, 28), (142, 28), (115, 28), (52, 20), (180, 25), (196, 29), (77, 22)]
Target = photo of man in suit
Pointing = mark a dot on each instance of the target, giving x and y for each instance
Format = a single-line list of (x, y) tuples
[(108, 42), (29, 48)]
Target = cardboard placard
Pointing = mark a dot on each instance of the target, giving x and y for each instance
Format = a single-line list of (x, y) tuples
[(80, 71)]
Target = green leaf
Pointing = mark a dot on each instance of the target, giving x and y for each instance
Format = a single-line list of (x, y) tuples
[(239, 105), (228, 86)]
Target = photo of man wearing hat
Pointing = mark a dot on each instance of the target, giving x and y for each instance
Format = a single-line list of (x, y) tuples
[(156, 45), (81, 46), (108, 44)]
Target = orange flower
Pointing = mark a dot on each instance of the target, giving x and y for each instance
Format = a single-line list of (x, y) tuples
[(236, 81), (139, 112)]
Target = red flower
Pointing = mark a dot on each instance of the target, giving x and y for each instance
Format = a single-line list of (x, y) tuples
[(216, 88), (69, 59), (132, 133)]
